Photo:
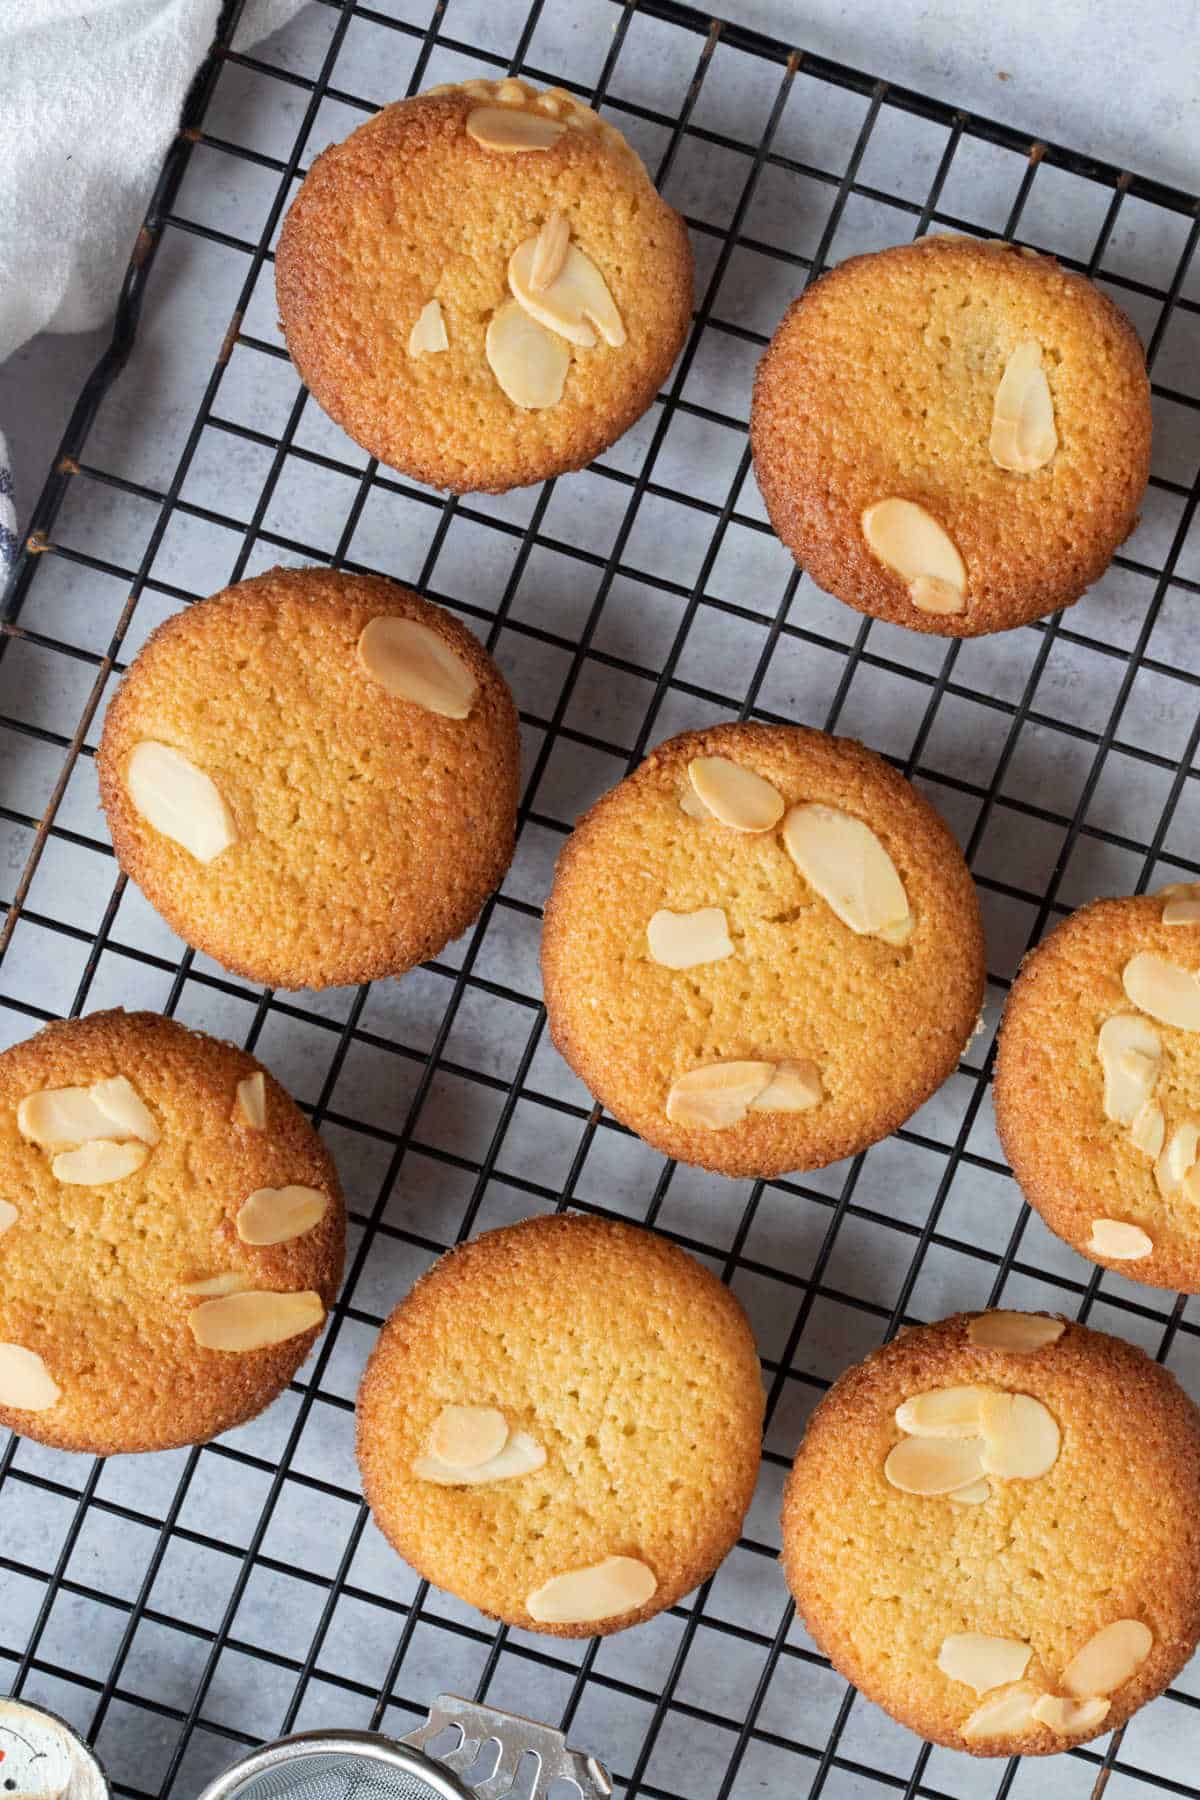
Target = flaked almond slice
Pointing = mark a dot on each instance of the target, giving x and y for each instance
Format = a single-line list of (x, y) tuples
[(210, 1287), (974, 1494), (1179, 1157), (521, 1455), (98, 1162), (504, 128), (1181, 903), (1016, 1331), (8, 1216), (951, 1412), (794, 1087), (909, 541), (898, 932), (124, 1107), (428, 334), (983, 1662), (1130, 1052), (1107, 1660), (250, 1106), (693, 805), (1070, 1718), (718, 1094), (921, 1465), (549, 251), (1148, 1130), (254, 1320), (179, 799), (933, 594), (1021, 1439), (1023, 434), (619, 1584), (529, 362), (25, 1381), (576, 304), (59, 1117), (988, 243), (734, 795), (1137, 1067), (685, 940), (277, 1215), (1118, 1241), (1002, 1715), (841, 857), (1164, 990), (464, 1436), (413, 662)]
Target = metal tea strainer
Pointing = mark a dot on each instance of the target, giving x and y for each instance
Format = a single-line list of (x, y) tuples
[(492, 1755)]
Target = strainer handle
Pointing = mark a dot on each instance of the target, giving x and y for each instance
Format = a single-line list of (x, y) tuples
[(478, 1724)]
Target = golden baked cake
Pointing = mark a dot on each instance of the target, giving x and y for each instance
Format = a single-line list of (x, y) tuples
[(561, 1424), (991, 1530), (313, 777), (1097, 1084), (482, 285), (953, 435), (171, 1235), (762, 950)]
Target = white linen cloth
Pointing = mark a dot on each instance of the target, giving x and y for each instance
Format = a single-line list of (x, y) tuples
[(90, 97)]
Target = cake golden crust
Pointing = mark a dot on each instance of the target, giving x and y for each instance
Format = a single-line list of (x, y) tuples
[(370, 830), (410, 208), (623, 1358), (885, 1024), (92, 1277), (1074, 1164), (882, 1577), (880, 381)]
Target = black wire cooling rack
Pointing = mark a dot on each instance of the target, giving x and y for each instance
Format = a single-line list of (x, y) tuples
[(237, 1591)]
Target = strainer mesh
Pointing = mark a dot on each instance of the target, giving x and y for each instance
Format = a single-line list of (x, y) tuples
[(335, 1776)]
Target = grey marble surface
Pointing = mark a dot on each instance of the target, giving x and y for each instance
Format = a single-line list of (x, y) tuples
[(173, 1690)]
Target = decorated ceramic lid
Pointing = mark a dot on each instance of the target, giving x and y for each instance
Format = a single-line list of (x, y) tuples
[(42, 1758)]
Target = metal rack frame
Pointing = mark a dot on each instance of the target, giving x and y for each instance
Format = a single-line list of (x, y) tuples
[(80, 1481)]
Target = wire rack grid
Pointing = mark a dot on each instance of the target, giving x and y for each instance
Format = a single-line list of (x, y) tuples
[(180, 1607)]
